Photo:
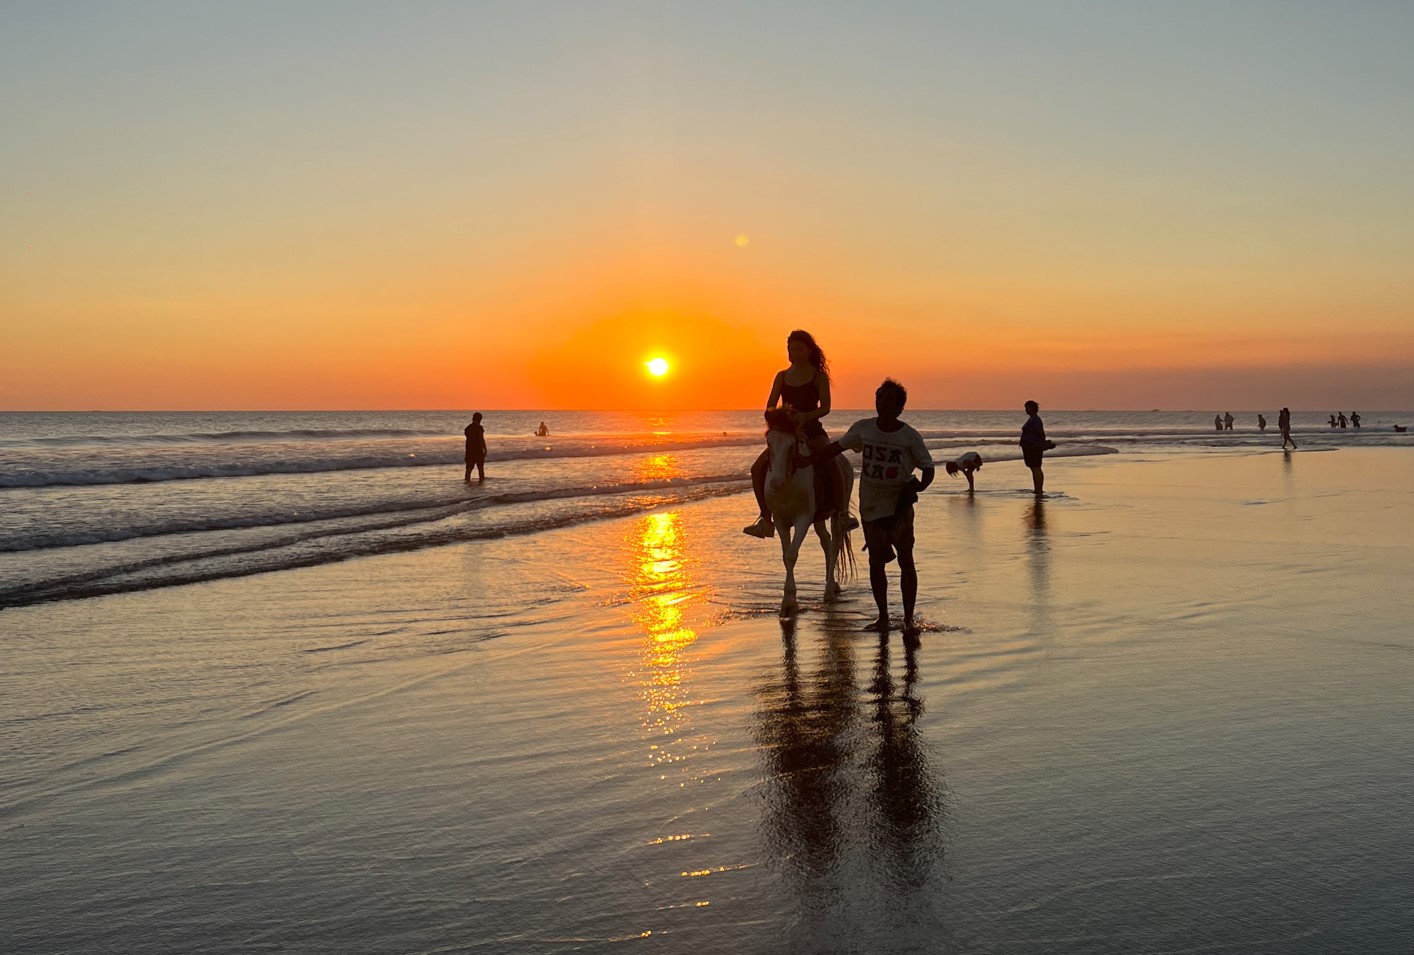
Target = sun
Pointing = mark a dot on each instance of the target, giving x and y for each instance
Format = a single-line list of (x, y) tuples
[(658, 367)]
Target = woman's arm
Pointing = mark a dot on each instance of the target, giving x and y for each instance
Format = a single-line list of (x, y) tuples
[(772, 401)]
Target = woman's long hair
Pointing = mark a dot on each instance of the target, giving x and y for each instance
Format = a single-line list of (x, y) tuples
[(817, 354)]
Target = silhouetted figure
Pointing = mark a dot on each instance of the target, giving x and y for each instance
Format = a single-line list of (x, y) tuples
[(1261, 423), (1400, 429), (1332, 421), (965, 464), (1227, 421), (1217, 422), (1355, 418), (542, 431), (1341, 418), (803, 389), (1284, 425), (892, 451), (475, 448), (1034, 445)]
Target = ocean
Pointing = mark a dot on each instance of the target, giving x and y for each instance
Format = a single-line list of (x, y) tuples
[(99, 503)]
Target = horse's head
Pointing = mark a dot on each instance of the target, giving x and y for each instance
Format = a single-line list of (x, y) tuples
[(782, 439)]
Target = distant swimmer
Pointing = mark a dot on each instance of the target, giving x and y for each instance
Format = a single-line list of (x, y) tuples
[(1217, 422), (542, 431), (475, 448), (1341, 418), (1227, 420), (1261, 423), (1355, 418), (1332, 421), (965, 464), (1034, 445), (1284, 425)]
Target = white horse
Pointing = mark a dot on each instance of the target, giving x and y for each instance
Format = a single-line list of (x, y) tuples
[(790, 497)]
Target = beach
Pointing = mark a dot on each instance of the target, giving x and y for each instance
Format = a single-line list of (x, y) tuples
[(1163, 710)]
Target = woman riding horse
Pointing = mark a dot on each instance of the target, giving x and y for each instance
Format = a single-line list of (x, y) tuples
[(803, 389)]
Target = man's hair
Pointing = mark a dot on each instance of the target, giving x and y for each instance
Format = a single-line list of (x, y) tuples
[(890, 385), (476, 417), (1031, 407)]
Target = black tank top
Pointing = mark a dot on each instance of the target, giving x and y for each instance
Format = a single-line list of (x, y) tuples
[(804, 397)]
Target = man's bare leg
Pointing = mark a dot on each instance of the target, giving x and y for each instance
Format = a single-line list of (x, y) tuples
[(1038, 480), (908, 583), (879, 584)]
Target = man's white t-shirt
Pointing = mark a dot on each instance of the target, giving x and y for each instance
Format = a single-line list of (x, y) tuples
[(890, 458)]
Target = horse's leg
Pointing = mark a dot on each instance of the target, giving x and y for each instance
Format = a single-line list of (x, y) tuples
[(788, 552), (791, 554)]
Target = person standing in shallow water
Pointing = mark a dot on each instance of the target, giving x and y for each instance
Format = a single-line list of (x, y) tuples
[(1261, 423), (803, 389), (475, 448), (1034, 445), (1227, 421), (892, 451), (1284, 426)]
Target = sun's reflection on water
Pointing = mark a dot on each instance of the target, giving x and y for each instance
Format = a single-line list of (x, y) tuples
[(663, 595)]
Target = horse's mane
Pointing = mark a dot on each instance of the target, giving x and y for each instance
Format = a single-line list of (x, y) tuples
[(778, 419)]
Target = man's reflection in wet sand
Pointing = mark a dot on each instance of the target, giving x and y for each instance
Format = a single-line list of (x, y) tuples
[(852, 812), (1038, 566)]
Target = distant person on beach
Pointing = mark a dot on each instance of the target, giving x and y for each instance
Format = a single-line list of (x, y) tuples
[(1261, 423), (1341, 418), (1284, 425), (542, 431), (1034, 445), (1227, 421), (965, 464), (804, 390), (1355, 418), (1332, 421), (1217, 422), (475, 448), (892, 451)]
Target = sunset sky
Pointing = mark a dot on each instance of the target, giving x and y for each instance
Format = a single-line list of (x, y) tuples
[(516, 205)]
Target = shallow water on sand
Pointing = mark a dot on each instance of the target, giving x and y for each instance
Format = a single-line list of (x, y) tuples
[(1163, 710)]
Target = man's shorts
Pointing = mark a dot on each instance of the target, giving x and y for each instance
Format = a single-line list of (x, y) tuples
[(1031, 457), (889, 534)]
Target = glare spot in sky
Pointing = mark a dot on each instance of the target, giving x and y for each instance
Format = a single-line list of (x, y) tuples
[(743, 240)]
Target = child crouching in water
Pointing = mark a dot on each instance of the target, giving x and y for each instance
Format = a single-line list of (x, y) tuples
[(965, 464)]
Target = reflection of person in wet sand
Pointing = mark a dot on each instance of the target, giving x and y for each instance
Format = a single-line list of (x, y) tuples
[(475, 448), (1284, 426), (892, 451), (965, 464), (803, 389), (1034, 446), (848, 790)]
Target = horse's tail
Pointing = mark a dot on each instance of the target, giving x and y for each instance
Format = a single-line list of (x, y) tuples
[(846, 567)]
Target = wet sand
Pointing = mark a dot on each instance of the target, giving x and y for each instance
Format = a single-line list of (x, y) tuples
[(1163, 710)]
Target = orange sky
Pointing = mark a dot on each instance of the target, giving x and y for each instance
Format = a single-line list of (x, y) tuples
[(483, 211)]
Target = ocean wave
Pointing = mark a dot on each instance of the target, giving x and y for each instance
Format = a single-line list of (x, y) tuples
[(386, 514), (19, 476), (216, 437), (528, 516)]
